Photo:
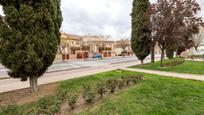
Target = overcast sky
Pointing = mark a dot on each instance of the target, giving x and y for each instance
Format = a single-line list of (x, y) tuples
[(99, 17)]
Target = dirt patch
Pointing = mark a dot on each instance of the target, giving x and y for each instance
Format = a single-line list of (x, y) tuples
[(24, 96)]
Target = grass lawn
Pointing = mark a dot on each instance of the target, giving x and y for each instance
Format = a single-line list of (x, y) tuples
[(191, 67), (155, 95)]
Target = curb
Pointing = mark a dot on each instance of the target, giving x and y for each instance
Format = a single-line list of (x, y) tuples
[(67, 69), (124, 62), (3, 78)]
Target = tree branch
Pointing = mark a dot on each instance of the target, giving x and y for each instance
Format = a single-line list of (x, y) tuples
[(3, 2)]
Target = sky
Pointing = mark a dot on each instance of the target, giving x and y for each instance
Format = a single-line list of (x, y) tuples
[(99, 17)]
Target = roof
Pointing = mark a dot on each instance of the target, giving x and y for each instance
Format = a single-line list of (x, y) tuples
[(85, 38), (71, 37), (96, 39)]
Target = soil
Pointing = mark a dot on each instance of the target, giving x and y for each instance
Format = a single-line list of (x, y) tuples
[(24, 96)]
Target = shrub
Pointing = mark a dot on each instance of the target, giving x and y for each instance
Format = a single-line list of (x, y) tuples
[(44, 112), (50, 105), (10, 110), (128, 80), (112, 84), (32, 111), (55, 107), (119, 71), (134, 79), (44, 103), (140, 78), (121, 83), (124, 79), (61, 94), (88, 94), (101, 89), (72, 99)]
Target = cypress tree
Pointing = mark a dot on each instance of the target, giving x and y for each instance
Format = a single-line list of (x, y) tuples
[(29, 36), (140, 39)]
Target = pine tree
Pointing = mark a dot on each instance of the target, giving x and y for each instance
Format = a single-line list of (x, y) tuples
[(29, 37), (140, 40)]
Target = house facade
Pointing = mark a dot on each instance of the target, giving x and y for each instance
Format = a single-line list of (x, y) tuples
[(123, 48), (99, 45), (74, 47)]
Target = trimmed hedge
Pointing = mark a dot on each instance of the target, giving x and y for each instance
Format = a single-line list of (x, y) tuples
[(197, 57), (173, 62)]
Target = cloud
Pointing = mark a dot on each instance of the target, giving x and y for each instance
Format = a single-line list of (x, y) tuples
[(107, 17), (104, 17)]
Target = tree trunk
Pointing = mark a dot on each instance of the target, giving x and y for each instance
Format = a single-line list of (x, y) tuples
[(152, 55), (153, 52), (162, 57), (142, 62), (177, 52), (63, 57), (33, 84), (123, 52), (196, 48)]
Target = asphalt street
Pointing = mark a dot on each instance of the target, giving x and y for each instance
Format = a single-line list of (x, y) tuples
[(69, 65)]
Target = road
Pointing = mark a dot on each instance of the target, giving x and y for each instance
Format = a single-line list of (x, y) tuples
[(69, 65), (85, 68)]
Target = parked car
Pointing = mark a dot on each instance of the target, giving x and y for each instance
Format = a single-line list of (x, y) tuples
[(97, 56)]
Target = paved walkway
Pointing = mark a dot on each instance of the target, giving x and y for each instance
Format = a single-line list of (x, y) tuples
[(169, 74)]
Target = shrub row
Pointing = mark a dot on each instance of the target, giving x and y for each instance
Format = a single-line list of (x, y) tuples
[(90, 92), (173, 62), (197, 56)]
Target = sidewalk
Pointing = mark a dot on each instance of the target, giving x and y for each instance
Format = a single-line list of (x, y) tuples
[(168, 74), (1, 66), (198, 60)]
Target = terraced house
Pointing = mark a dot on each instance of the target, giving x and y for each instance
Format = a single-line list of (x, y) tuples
[(83, 47)]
